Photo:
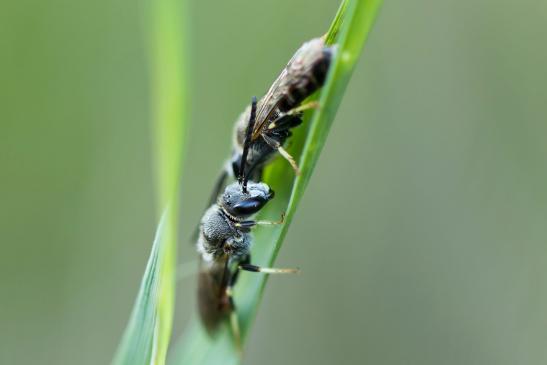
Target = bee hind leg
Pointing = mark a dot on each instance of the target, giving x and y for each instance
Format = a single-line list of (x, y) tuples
[(282, 124), (283, 152), (284, 120)]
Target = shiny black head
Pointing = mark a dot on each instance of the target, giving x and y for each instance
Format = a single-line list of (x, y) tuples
[(241, 203)]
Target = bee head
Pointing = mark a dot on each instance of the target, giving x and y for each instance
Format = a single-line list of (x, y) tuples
[(241, 203)]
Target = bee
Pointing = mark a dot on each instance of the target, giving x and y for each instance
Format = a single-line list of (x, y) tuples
[(224, 243), (278, 112)]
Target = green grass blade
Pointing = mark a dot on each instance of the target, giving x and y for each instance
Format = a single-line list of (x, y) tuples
[(147, 335), (350, 29), (140, 340)]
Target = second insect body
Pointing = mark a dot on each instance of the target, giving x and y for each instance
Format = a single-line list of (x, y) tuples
[(278, 112)]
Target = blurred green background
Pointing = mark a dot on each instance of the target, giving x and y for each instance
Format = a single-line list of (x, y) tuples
[(422, 236)]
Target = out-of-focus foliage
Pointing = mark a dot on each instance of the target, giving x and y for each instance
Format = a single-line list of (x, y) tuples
[(148, 333)]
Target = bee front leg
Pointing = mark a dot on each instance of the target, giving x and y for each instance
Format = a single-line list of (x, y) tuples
[(251, 223)]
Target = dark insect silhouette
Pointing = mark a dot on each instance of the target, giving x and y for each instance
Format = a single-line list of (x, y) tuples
[(278, 112)]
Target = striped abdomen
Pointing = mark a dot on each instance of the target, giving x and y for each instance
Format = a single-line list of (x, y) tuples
[(305, 80)]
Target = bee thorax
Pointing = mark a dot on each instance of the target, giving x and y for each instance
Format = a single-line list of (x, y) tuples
[(218, 236)]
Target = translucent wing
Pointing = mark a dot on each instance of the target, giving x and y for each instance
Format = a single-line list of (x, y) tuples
[(213, 303), (285, 93)]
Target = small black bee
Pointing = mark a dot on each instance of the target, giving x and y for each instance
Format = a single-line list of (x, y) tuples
[(279, 111), (224, 244)]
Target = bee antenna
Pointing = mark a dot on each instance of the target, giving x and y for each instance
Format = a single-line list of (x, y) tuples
[(246, 144)]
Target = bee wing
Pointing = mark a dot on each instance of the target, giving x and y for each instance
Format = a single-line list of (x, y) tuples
[(213, 302), (268, 104), (299, 65)]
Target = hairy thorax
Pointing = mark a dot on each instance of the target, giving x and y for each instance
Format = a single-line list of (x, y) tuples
[(219, 236)]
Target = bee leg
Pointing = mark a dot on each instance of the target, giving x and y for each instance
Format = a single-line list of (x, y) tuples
[(289, 158), (277, 123), (285, 122), (234, 322), (277, 146), (307, 106), (251, 223), (245, 260), (268, 270)]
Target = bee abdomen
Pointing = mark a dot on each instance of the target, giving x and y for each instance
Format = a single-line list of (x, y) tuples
[(308, 82), (321, 68)]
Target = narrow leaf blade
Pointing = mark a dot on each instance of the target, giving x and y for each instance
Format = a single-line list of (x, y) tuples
[(137, 345), (148, 333)]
